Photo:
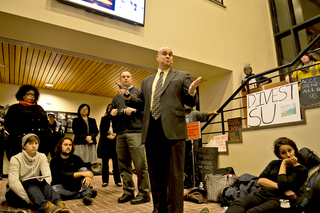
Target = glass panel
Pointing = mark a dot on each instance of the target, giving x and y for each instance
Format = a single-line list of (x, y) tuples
[(307, 35), (282, 15), (287, 50), (305, 9)]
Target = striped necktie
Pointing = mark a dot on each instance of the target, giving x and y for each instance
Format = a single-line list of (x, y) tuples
[(156, 98)]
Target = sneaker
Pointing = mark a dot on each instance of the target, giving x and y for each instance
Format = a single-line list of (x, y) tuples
[(51, 208), (87, 200), (63, 207), (94, 193)]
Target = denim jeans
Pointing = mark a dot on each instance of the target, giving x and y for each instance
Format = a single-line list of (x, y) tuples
[(69, 195), (39, 192)]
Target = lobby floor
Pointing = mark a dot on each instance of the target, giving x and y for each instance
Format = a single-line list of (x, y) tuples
[(106, 201)]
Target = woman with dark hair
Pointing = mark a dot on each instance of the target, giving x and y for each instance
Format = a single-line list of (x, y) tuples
[(280, 181), (27, 117), (309, 66), (85, 131), (107, 149)]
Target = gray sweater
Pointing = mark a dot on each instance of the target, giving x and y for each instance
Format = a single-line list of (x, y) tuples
[(22, 167)]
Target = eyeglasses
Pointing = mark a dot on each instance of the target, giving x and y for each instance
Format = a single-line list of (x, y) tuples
[(31, 94)]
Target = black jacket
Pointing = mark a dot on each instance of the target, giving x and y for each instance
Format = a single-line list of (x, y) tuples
[(22, 120), (79, 128), (123, 123), (106, 147), (62, 171)]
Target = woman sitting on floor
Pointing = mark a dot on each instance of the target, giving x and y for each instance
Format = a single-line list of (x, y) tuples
[(281, 179)]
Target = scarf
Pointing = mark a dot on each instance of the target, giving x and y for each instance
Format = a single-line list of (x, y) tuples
[(24, 103), (305, 68)]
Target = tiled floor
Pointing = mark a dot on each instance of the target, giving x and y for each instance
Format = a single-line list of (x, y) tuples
[(106, 201)]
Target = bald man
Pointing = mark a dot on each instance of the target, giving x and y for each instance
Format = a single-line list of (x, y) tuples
[(164, 131)]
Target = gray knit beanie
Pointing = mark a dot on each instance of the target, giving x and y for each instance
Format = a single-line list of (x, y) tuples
[(247, 65), (25, 138)]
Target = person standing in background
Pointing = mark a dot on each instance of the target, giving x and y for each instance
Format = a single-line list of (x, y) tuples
[(309, 66), (193, 116), (254, 82), (27, 117), (85, 132), (164, 129), (107, 150), (56, 131), (127, 123)]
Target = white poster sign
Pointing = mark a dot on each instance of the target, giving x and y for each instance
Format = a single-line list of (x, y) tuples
[(274, 106), (220, 142)]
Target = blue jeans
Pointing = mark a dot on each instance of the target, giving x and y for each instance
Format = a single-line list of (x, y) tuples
[(69, 195)]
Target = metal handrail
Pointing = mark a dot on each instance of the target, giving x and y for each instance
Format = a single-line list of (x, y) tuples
[(220, 110)]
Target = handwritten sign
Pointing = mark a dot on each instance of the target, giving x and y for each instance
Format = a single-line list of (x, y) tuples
[(194, 130), (274, 106), (220, 142), (234, 125), (310, 90), (207, 160)]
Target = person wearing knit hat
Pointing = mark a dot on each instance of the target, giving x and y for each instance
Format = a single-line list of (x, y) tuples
[(254, 82), (29, 179)]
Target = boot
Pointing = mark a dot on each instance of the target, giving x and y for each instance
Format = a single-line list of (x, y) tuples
[(63, 207), (51, 208), (87, 200)]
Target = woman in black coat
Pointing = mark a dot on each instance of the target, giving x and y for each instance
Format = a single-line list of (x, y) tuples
[(85, 131), (27, 117), (107, 150)]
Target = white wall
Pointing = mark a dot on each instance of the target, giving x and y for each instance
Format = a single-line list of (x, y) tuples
[(202, 31)]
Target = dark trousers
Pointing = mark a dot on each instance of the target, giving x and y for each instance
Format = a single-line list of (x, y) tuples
[(105, 166), (40, 193), (165, 163), (254, 204)]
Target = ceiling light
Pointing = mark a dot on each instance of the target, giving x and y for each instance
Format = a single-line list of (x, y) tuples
[(49, 85)]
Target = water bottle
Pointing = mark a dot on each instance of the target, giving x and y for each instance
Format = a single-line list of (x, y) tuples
[(201, 186)]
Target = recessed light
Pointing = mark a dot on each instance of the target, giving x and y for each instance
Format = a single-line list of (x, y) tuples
[(49, 85)]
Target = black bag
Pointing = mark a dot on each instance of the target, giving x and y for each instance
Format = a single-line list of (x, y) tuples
[(308, 158), (224, 171), (196, 195)]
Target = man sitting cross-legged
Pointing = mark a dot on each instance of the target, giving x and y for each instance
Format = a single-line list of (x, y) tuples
[(70, 178), (29, 178)]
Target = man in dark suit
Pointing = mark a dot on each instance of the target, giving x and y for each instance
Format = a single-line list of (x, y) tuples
[(164, 131)]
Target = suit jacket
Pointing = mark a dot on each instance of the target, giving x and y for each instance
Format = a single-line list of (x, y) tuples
[(79, 128), (175, 93)]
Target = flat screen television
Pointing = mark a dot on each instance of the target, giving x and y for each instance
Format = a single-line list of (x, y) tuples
[(130, 11)]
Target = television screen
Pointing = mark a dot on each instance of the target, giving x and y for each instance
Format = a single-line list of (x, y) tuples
[(130, 11)]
